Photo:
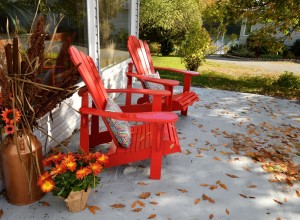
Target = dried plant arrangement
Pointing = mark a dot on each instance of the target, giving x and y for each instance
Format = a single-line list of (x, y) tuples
[(23, 89)]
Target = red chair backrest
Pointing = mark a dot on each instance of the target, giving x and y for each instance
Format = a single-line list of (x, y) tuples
[(90, 76), (140, 55)]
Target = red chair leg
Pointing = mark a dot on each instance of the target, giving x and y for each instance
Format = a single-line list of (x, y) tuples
[(184, 112), (84, 134)]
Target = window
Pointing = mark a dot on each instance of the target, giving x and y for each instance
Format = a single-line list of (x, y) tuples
[(114, 18)]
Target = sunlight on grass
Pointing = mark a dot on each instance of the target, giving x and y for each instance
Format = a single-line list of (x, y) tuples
[(232, 77)]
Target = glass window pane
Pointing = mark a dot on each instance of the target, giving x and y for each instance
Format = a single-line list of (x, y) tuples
[(114, 18)]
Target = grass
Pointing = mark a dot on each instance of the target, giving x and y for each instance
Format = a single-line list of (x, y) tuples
[(233, 77)]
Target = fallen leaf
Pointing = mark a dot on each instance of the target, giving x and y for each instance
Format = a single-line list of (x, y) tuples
[(252, 186), (142, 184), (182, 190), (227, 212), (153, 203), (285, 199), (297, 193), (93, 209), (211, 216), (44, 203), (187, 152), (196, 201), (204, 185), (217, 158), (145, 195), (137, 210), (118, 206), (221, 184), (275, 200), (160, 193), (213, 187), (1, 213), (244, 196), (140, 203), (210, 200), (231, 176), (152, 216), (278, 218)]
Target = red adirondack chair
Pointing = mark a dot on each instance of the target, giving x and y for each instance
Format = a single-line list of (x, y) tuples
[(141, 58), (152, 139)]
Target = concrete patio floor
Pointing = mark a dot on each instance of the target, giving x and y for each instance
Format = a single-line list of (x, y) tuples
[(211, 179)]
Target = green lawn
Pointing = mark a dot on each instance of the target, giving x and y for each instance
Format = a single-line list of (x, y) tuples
[(234, 78)]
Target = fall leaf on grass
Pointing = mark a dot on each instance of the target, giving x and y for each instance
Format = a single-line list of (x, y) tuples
[(275, 200), (44, 203), (227, 212), (231, 176), (182, 190), (196, 201), (145, 195), (297, 193), (211, 216), (93, 209), (210, 200), (118, 206), (137, 210), (152, 216)]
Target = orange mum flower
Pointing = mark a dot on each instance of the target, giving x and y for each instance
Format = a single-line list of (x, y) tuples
[(58, 169), (9, 129), (43, 177), (102, 158), (9, 115), (71, 165), (47, 185), (69, 158), (96, 168), (83, 172)]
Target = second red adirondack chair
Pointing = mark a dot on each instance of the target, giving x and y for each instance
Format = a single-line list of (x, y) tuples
[(141, 58)]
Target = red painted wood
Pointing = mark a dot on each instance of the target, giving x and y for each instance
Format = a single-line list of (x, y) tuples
[(142, 60), (150, 140)]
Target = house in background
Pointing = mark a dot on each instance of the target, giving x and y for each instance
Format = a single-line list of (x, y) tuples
[(246, 30), (99, 28)]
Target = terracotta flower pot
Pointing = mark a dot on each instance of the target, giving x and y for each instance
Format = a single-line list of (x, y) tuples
[(77, 200), (19, 165)]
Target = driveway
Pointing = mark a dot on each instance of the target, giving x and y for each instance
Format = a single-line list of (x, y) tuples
[(267, 66)]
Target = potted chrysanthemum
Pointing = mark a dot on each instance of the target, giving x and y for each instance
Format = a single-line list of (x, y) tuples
[(71, 175)]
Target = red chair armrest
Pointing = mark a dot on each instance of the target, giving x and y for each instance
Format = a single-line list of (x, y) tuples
[(158, 117), (167, 82), (141, 91)]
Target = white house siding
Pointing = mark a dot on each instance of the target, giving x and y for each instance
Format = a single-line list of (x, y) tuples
[(289, 41)]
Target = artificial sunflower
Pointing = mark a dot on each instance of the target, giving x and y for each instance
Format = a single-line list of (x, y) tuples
[(11, 115)]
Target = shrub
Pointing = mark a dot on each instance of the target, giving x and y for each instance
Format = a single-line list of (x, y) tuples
[(264, 43), (288, 80), (296, 47), (167, 47), (195, 47), (154, 47)]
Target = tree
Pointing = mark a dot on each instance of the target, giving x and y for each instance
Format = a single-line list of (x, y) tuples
[(275, 15), (167, 21)]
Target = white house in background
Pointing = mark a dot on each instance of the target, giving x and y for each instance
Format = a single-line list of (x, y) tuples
[(100, 28), (246, 30)]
